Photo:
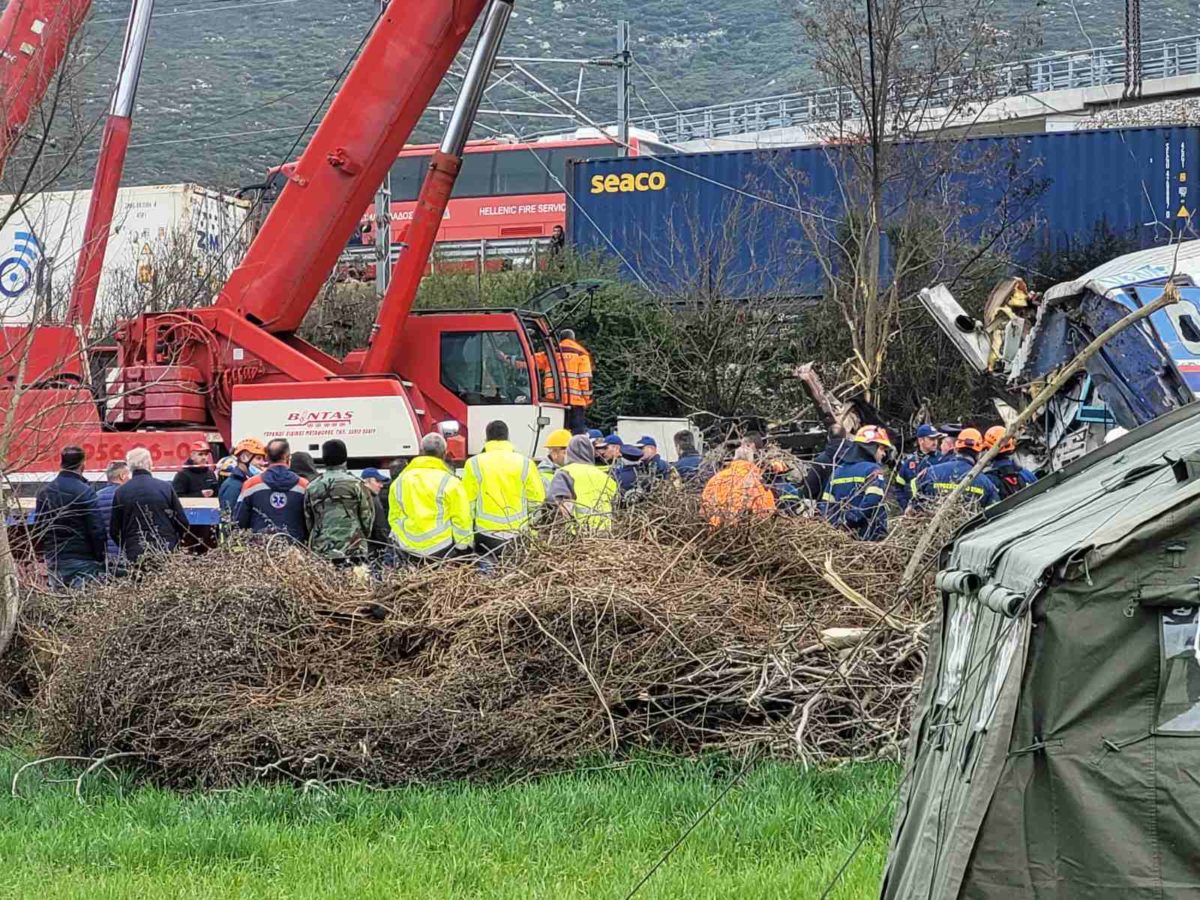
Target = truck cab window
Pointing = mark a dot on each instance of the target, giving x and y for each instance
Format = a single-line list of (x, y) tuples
[(485, 368)]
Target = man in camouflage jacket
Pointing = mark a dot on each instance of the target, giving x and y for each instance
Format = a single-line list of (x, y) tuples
[(339, 510)]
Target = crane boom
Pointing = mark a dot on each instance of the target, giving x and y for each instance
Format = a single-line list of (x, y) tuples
[(385, 352), (366, 127), (109, 169), (34, 38)]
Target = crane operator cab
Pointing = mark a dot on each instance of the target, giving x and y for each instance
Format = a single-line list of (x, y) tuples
[(475, 366), (465, 368)]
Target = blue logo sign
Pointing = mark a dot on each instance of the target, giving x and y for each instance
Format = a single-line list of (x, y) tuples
[(16, 270)]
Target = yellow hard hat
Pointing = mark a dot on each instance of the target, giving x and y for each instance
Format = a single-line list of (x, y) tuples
[(558, 440)]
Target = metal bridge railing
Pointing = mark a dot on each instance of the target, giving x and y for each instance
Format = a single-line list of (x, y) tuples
[(1061, 71)]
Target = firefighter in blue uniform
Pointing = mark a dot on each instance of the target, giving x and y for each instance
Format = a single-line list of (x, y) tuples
[(912, 465), (940, 479), (1005, 473), (854, 498)]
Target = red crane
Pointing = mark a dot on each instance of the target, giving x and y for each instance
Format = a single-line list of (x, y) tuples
[(238, 368), (109, 169), (34, 38)]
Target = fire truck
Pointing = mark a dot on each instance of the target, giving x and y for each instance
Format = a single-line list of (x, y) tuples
[(506, 203), (237, 368)]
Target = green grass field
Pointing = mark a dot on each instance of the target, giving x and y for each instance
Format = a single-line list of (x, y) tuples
[(586, 834)]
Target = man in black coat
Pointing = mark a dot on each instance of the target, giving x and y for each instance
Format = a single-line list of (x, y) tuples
[(197, 478), (68, 526), (146, 513)]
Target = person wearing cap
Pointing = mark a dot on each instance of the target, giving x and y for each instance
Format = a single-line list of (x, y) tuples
[(272, 502), (928, 444), (950, 432), (377, 482), (581, 490), (943, 477), (628, 472), (339, 511), (251, 458), (654, 467), (608, 451), (1005, 473), (503, 487), (197, 477), (429, 513), (853, 500), (556, 455)]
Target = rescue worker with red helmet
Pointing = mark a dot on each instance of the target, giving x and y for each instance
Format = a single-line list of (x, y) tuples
[(1005, 473), (941, 479), (853, 500)]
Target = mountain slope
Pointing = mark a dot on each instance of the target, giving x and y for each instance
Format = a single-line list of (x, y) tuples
[(229, 84)]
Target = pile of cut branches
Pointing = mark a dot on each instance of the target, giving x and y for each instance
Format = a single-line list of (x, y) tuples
[(780, 636)]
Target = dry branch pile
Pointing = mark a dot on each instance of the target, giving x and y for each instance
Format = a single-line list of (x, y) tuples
[(665, 635)]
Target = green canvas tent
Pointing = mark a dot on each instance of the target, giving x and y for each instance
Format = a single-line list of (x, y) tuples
[(1055, 748)]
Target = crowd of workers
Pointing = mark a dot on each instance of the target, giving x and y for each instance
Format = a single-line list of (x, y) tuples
[(424, 510)]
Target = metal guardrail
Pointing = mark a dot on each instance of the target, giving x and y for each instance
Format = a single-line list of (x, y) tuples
[(1098, 67)]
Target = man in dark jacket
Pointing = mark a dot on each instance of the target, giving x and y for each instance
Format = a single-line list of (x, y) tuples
[(654, 467), (197, 478), (690, 465), (251, 458), (117, 473), (272, 502), (378, 482), (146, 513), (68, 526), (820, 471)]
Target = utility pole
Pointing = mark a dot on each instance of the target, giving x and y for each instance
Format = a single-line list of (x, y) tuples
[(624, 87), (383, 220)]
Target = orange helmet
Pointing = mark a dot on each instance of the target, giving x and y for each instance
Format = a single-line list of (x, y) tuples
[(969, 439), (994, 435), (873, 434), (253, 446)]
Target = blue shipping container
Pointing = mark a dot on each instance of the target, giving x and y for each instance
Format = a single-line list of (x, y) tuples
[(744, 223)]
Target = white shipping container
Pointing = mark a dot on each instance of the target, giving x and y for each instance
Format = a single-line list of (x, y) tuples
[(170, 245)]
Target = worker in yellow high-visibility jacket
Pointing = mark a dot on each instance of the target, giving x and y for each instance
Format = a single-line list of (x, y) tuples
[(583, 491), (503, 487), (428, 512), (556, 454)]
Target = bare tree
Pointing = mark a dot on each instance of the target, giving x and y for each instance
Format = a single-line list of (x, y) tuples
[(900, 70)]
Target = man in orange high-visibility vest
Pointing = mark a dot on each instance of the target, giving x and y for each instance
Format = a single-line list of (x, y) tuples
[(577, 373)]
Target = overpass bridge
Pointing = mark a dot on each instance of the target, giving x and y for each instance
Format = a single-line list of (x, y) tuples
[(1046, 93)]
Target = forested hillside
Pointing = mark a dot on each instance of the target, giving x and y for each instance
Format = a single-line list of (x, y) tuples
[(230, 84)]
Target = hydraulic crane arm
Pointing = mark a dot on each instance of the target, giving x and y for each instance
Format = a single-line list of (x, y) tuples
[(366, 127), (34, 38), (109, 169), (386, 353)]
